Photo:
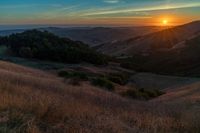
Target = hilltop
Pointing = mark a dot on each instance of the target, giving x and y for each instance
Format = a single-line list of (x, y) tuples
[(35, 44)]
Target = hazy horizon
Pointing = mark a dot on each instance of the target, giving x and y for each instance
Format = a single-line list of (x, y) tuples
[(35, 26)]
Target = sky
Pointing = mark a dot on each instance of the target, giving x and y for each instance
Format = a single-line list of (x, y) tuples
[(98, 12)]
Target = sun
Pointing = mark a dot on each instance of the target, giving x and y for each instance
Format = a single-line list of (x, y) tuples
[(165, 22)]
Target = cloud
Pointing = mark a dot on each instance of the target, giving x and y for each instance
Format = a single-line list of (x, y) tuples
[(153, 8), (58, 12), (112, 1)]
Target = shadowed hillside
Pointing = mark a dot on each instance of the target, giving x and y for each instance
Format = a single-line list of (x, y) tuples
[(181, 61)]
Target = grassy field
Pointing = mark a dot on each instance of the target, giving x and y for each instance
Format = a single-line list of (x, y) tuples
[(34, 101)]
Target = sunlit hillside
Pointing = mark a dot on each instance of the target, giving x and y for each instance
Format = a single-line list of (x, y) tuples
[(38, 102)]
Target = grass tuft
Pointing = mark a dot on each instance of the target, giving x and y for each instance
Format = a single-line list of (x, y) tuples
[(77, 75), (103, 82)]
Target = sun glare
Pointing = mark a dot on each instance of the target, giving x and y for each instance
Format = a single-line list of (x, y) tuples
[(165, 22)]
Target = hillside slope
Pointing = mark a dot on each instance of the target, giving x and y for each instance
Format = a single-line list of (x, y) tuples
[(40, 45), (99, 35), (157, 41), (34, 101), (182, 60)]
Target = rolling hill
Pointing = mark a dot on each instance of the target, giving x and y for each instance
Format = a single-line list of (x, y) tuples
[(93, 36), (35, 101), (181, 61), (104, 98), (99, 35), (40, 45), (164, 40)]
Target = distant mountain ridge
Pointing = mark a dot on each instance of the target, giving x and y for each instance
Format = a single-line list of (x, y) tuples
[(99, 35), (93, 36)]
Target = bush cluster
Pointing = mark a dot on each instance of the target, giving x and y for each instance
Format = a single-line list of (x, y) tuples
[(118, 78), (143, 94), (103, 82), (77, 75)]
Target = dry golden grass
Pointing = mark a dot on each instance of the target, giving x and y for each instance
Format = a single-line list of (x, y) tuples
[(33, 101)]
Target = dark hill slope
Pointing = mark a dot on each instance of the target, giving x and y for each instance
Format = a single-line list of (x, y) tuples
[(182, 61)]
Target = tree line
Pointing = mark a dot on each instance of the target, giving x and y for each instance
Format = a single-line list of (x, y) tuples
[(47, 46)]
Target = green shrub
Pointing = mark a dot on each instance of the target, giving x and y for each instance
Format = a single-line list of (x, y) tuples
[(142, 94), (79, 75), (131, 93), (153, 93), (103, 82), (118, 78)]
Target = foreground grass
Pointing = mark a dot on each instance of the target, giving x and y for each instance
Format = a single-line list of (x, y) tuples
[(36, 102)]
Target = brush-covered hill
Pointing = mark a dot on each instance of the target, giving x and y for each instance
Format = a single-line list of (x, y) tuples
[(157, 41), (47, 46), (34, 101)]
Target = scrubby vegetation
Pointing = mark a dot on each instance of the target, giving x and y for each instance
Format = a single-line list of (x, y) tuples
[(103, 82), (47, 46), (96, 80), (79, 75), (118, 78), (74, 78), (106, 80), (143, 94)]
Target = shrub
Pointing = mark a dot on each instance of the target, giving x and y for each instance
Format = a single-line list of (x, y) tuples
[(118, 78), (77, 75), (153, 93), (130, 93), (142, 94), (103, 82), (80, 75)]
